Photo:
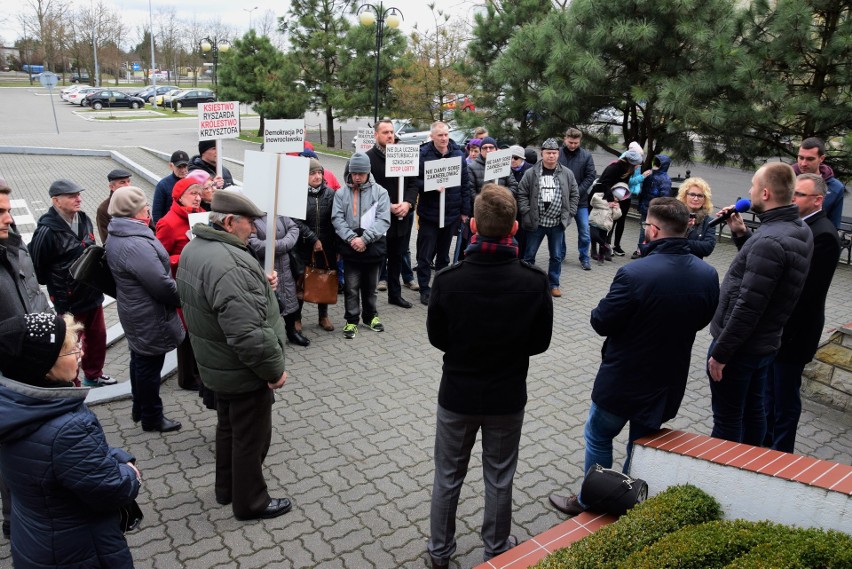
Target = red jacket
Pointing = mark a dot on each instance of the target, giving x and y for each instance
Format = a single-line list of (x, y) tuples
[(172, 232)]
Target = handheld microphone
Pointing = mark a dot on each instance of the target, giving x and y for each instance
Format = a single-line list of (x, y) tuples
[(740, 207)]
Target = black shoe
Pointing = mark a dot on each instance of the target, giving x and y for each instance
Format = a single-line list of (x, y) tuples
[(296, 338), (223, 501), (164, 426), (618, 251), (400, 302), (276, 507), (424, 298), (135, 415)]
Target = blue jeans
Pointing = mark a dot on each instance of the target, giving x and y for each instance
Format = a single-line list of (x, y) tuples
[(556, 248), (783, 405), (601, 428), (581, 218), (737, 400)]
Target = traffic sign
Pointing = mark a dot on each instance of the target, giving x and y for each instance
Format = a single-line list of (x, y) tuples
[(48, 79)]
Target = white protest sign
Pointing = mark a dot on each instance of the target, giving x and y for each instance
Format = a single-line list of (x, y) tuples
[(364, 140), (286, 135), (218, 120), (259, 180), (442, 173), (402, 160), (293, 186), (202, 217), (498, 163)]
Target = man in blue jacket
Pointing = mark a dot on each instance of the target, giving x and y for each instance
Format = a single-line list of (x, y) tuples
[(580, 162), (433, 242), (667, 297), (811, 160)]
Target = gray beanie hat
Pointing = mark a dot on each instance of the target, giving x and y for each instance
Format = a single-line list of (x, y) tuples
[(315, 165), (632, 157), (550, 144), (359, 163), (126, 201)]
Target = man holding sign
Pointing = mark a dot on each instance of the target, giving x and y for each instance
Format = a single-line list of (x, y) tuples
[(206, 160), (433, 236)]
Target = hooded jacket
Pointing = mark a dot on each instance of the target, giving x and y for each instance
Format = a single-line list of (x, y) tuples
[(147, 295), (172, 230), (346, 213), (656, 185), (286, 238), (54, 248), (458, 200), (18, 284), (67, 482), (196, 163), (231, 313)]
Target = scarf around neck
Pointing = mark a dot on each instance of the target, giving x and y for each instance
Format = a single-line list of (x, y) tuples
[(506, 246)]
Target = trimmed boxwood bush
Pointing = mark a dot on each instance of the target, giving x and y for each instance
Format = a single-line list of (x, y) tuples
[(676, 507)]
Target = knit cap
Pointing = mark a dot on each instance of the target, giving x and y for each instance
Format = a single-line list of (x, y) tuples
[(30, 345), (127, 201)]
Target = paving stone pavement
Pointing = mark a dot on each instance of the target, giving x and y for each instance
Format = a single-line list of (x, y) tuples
[(353, 436)]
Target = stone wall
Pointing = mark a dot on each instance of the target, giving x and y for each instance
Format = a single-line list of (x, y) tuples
[(828, 378)]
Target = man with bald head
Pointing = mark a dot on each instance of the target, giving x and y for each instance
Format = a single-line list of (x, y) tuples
[(757, 297)]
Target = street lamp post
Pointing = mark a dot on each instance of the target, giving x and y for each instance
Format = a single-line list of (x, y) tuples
[(213, 47), (250, 10), (369, 14)]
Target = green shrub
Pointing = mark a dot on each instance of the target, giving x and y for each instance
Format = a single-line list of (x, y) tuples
[(676, 507), (800, 549)]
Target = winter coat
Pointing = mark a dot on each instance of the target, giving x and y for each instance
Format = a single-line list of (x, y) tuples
[(317, 227), (172, 232), (349, 206), (409, 193), (54, 248), (528, 193), (803, 330), (617, 171), (582, 165), (832, 205), (457, 200), (476, 173), (635, 181), (656, 185), (18, 284), (601, 214), (762, 285), (232, 316), (701, 238), (163, 197), (286, 238), (147, 294), (196, 163), (650, 316), (66, 481)]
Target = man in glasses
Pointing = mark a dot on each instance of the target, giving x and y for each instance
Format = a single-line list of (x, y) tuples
[(799, 341), (179, 165)]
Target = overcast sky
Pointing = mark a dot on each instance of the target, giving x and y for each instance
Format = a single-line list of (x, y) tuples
[(231, 12)]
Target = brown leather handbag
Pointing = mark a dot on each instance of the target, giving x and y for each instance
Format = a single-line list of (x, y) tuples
[(320, 284)]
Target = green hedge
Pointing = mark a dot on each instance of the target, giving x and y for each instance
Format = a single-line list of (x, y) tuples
[(680, 529), (676, 507)]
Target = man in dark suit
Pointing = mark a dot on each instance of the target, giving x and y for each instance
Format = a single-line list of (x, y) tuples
[(799, 340)]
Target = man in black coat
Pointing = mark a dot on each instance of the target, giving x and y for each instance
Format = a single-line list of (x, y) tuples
[(580, 162), (801, 335), (470, 304), (399, 233), (650, 317)]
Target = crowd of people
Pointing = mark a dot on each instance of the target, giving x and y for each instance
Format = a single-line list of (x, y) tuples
[(202, 290)]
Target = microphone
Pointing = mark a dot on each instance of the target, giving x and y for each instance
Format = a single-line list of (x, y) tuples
[(740, 207)]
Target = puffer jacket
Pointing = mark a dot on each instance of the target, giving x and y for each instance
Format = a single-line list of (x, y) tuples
[(286, 237), (18, 284), (231, 313), (528, 193), (349, 206), (196, 163), (317, 227), (476, 173), (701, 238), (601, 214), (147, 295), (67, 482), (54, 248), (656, 185), (762, 285), (458, 201)]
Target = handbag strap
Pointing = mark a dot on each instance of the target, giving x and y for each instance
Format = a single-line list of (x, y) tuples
[(314, 259)]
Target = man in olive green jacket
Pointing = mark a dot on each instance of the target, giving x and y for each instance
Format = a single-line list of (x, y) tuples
[(238, 338)]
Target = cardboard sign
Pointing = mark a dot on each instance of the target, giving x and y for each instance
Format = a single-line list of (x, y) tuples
[(195, 218), (218, 120), (282, 136), (364, 140), (498, 163), (443, 173), (402, 160)]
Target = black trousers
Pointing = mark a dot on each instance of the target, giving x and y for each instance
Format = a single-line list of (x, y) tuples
[(397, 239), (243, 435), (187, 367), (433, 242)]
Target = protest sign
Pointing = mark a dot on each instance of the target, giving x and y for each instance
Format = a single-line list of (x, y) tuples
[(402, 160), (218, 120), (364, 140), (498, 163), (285, 135), (439, 174)]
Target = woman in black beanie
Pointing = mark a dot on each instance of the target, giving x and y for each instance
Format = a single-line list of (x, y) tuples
[(66, 481)]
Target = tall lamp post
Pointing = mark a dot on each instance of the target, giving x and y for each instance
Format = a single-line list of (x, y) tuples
[(369, 14), (213, 47), (250, 10)]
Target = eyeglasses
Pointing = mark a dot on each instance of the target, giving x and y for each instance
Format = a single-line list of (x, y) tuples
[(645, 224), (802, 195), (696, 196), (76, 352), (489, 147)]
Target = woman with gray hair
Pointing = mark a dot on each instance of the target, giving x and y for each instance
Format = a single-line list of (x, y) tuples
[(147, 302)]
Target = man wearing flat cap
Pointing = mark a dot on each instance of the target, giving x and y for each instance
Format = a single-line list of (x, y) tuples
[(206, 160), (117, 178), (179, 165), (62, 234), (238, 337)]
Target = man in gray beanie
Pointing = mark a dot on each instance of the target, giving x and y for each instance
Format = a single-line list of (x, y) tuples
[(238, 337), (361, 217)]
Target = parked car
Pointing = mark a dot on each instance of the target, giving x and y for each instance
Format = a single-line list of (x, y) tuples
[(80, 78), (105, 98), (148, 91), (192, 98), (64, 93), (163, 100), (161, 90), (79, 97)]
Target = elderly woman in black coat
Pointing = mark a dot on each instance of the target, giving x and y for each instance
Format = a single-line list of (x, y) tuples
[(147, 302), (67, 483)]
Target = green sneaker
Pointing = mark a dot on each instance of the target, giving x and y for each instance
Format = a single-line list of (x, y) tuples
[(349, 331), (375, 325)]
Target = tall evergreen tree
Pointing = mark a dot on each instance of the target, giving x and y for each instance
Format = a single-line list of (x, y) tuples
[(253, 71)]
